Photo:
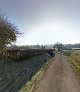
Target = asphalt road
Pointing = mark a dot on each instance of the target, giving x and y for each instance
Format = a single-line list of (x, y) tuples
[(58, 78)]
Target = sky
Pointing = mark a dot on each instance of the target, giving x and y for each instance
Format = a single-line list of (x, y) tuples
[(44, 21)]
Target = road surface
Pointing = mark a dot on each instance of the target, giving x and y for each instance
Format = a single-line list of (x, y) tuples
[(58, 78)]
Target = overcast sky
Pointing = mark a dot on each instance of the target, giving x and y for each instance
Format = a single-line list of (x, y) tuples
[(44, 21)]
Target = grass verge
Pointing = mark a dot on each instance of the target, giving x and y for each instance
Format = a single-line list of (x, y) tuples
[(75, 63), (36, 78)]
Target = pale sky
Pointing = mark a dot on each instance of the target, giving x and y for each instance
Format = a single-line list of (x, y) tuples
[(44, 21)]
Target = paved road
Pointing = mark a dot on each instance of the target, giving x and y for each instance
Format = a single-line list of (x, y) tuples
[(59, 78)]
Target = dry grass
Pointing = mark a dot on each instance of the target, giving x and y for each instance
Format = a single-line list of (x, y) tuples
[(74, 60)]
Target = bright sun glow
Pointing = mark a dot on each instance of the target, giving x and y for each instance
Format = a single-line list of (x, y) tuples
[(48, 26), (50, 32)]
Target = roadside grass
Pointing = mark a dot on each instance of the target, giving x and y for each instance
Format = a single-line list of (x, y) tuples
[(29, 86), (74, 60)]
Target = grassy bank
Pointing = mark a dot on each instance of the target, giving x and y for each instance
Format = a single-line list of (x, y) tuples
[(74, 60), (36, 78)]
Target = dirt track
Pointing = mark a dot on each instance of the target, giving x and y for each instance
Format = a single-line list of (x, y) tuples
[(59, 78)]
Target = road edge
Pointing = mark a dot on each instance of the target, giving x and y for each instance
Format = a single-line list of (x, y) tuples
[(29, 86)]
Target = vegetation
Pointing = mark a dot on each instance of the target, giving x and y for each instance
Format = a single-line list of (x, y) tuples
[(67, 53), (74, 59), (70, 46), (61, 46), (8, 34), (23, 54)]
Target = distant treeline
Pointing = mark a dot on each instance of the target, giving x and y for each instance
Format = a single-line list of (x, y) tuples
[(31, 47), (72, 46)]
